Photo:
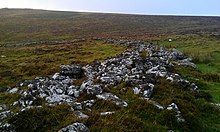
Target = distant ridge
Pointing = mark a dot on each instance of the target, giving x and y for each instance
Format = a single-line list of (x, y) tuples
[(22, 25)]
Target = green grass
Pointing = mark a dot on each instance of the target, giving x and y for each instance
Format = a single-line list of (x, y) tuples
[(36, 25), (8, 99), (27, 62), (43, 119), (204, 49)]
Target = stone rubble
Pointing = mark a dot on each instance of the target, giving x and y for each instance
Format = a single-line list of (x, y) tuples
[(139, 67)]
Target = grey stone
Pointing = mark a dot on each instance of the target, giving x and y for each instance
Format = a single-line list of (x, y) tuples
[(14, 90), (59, 99), (80, 115), (75, 127), (113, 98), (3, 107), (175, 108), (186, 62), (74, 71), (5, 114), (107, 113)]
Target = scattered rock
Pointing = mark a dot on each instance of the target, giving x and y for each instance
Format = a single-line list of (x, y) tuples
[(80, 115), (175, 108), (3, 107), (14, 90), (107, 113), (5, 114), (75, 127), (186, 62), (113, 98)]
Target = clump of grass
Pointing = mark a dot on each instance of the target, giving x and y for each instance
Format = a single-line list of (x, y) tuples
[(104, 106), (199, 56), (7, 99), (144, 54), (43, 119)]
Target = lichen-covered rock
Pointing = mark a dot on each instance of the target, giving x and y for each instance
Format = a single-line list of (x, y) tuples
[(89, 88), (74, 71), (186, 62), (113, 98), (75, 127)]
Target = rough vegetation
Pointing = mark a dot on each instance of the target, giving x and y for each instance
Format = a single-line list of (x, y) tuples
[(120, 84)]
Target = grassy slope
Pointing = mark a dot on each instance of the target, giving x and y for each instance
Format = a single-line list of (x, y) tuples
[(196, 36), (44, 60), (204, 49), (33, 25)]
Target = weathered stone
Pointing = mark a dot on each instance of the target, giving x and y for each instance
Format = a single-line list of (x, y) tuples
[(3, 107), (5, 114), (113, 98), (74, 71), (14, 90), (89, 88), (75, 127), (107, 113), (186, 62), (80, 115), (175, 108), (58, 99)]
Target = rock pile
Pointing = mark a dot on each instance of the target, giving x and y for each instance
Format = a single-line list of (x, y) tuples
[(138, 67)]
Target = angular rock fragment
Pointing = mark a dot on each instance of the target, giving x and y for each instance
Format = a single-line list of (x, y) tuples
[(74, 71), (113, 98), (186, 62), (175, 108), (75, 127)]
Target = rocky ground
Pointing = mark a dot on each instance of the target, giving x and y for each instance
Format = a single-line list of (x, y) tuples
[(139, 67)]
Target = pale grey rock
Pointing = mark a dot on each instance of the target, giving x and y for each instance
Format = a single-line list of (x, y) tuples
[(136, 90), (186, 62), (107, 113), (113, 98), (59, 99), (14, 90), (80, 115), (75, 127), (3, 107)]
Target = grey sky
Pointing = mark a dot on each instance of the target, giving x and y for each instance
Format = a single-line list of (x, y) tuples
[(168, 7)]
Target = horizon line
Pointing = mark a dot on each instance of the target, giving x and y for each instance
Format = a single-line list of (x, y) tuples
[(122, 13)]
